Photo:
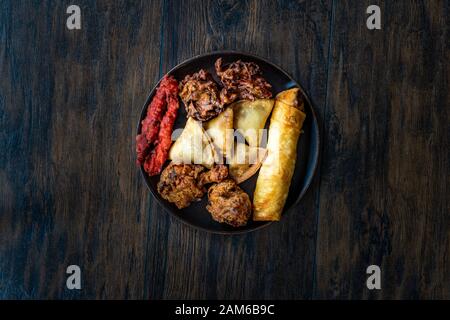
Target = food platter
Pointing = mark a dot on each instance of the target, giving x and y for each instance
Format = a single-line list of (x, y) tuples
[(307, 149)]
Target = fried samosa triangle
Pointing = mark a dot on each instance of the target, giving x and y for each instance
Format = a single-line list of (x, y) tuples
[(274, 179), (220, 130), (250, 118), (193, 146)]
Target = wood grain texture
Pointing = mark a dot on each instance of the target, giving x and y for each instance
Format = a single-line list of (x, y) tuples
[(384, 183), (70, 192)]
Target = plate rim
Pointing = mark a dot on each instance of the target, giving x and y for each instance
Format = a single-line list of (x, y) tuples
[(315, 159)]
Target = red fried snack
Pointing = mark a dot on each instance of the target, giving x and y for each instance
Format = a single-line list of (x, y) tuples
[(154, 163), (150, 125), (148, 141)]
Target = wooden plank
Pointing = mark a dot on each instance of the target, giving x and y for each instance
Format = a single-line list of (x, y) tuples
[(385, 173), (276, 262), (70, 191)]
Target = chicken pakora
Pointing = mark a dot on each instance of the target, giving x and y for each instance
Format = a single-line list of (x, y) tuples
[(182, 184), (228, 203)]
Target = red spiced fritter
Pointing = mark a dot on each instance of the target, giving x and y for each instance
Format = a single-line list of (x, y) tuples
[(154, 141)]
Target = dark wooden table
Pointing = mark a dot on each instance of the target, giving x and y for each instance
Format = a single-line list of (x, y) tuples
[(70, 192)]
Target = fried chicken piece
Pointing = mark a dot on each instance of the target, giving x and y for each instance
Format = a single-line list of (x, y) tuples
[(242, 80), (183, 183), (200, 96), (228, 203)]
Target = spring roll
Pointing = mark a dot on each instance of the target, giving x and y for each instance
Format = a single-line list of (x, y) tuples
[(272, 186)]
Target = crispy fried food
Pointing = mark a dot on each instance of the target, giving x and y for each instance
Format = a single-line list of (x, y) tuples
[(193, 146), (220, 130), (245, 162), (154, 164), (200, 95), (153, 143), (218, 173), (178, 184), (250, 118), (183, 183), (274, 179), (242, 80), (229, 204)]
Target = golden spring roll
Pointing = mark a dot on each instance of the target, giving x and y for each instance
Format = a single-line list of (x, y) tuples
[(276, 172)]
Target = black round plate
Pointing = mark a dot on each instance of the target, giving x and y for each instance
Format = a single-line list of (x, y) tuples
[(307, 150)]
